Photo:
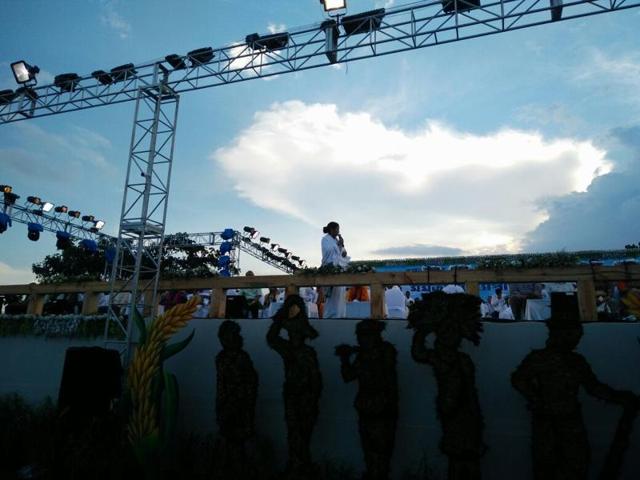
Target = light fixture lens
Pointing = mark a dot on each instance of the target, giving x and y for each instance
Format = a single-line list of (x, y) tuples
[(34, 200), (330, 5), (99, 224), (47, 206), (21, 72)]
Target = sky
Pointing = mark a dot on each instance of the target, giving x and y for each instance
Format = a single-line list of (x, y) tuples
[(526, 141)]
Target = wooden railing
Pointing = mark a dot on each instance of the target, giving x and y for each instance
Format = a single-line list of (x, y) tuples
[(585, 277)]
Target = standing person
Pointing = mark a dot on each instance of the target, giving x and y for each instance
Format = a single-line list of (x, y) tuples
[(251, 304), (334, 253)]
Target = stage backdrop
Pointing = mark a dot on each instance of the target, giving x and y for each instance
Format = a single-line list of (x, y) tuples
[(33, 367)]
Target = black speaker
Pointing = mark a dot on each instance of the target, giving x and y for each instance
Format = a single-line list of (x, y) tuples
[(91, 379)]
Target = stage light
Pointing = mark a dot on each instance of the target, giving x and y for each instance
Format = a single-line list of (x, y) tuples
[(34, 230), (99, 224), (122, 72), (47, 207), (274, 246), (74, 214), (89, 245), (226, 247), (295, 258), (363, 22), (176, 61), (265, 239), (228, 234), (24, 73), (63, 240), (449, 6), (5, 222), (61, 209), (6, 97), (6, 188), (331, 5), (200, 56), (275, 41), (88, 218), (34, 200), (253, 233), (10, 198), (103, 77), (66, 82)]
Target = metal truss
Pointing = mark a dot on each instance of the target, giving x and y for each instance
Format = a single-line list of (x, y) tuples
[(376, 33), (136, 268), (52, 222)]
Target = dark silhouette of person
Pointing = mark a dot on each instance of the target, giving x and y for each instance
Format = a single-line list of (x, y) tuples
[(374, 367), (452, 317), (237, 391), (303, 382), (550, 378)]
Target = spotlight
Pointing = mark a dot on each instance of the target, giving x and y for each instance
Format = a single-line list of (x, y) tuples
[(74, 214), (265, 239), (274, 246), (6, 97), (61, 209), (295, 258), (99, 224), (34, 230), (253, 233), (24, 73), (34, 200), (103, 77), (122, 72), (10, 198), (449, 6), (66, 82), (228, 234), (275, 41), (6, 188), (89, 245), (5, 222), (331, 5), (302, 263), (88, 218), (367, 22), (64, 240), (176, 61), (200, 56), (226, 247), (47, 207)]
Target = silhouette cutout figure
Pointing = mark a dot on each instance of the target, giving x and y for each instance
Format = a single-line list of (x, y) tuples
[(452, 318), (303, 382), (374, 368)]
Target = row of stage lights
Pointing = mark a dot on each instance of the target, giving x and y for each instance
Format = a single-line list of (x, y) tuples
[(272, 250), (34, 229)]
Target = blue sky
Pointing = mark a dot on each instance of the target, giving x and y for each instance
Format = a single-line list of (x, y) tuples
[(524, 141)]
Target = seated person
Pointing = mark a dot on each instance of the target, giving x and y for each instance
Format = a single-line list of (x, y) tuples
[(358, 294)]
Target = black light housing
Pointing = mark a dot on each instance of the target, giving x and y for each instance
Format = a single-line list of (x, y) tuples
[(61, 209), (176, 61), (200, 56), (88, 218), (363, 22), (24, 73), (5, 222), (295, 258), (123, 72), (103, 77), (6, 96), (253, 233), (66, 82), (34, 200), (274, 246), (265, 239), (6, 188), (274, 41), (33, 231), (10, 198), (74, 214), (449, 6)]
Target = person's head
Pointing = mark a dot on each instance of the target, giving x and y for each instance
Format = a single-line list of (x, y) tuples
[(332, 229), (369, 333), (499, 292), (407, 294), (294, 315), (229, 335), (564, 333), (250, 274)]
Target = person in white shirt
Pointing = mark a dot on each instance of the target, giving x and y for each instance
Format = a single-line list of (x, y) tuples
[(334, 253), (395, 302), (497, 303)]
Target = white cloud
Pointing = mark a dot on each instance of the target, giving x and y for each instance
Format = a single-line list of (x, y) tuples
[(387, 187), (615, 76), (112, 19), (14, 276), (276, 27)]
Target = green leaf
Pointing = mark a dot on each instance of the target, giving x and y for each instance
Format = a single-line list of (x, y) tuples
[(171, 350), (141, 326)]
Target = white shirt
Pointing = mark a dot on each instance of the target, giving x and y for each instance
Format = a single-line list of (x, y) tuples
[(332, 252)]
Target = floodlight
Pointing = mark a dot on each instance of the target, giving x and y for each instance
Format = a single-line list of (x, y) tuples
[(10, 198), (6, 188), (275, 41), (89, 245), (24, 73), (228, 234), (450, 6), (61, 209), (99, 224), (364, 22), (103, 77), (331, 5), (123, 72), (74, 214), (63, 240), (176, 61), (47, 207), (6, 96), (34, 230), (274, 246), (200, 56), (5, 222), (34, 200), (253, 233), (332, 34), (283, 250), (226, 247), (66, 82), (88, 218), (295, 258), (265, 239)]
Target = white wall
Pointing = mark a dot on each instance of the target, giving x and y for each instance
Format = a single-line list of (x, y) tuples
[(33, 367)]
